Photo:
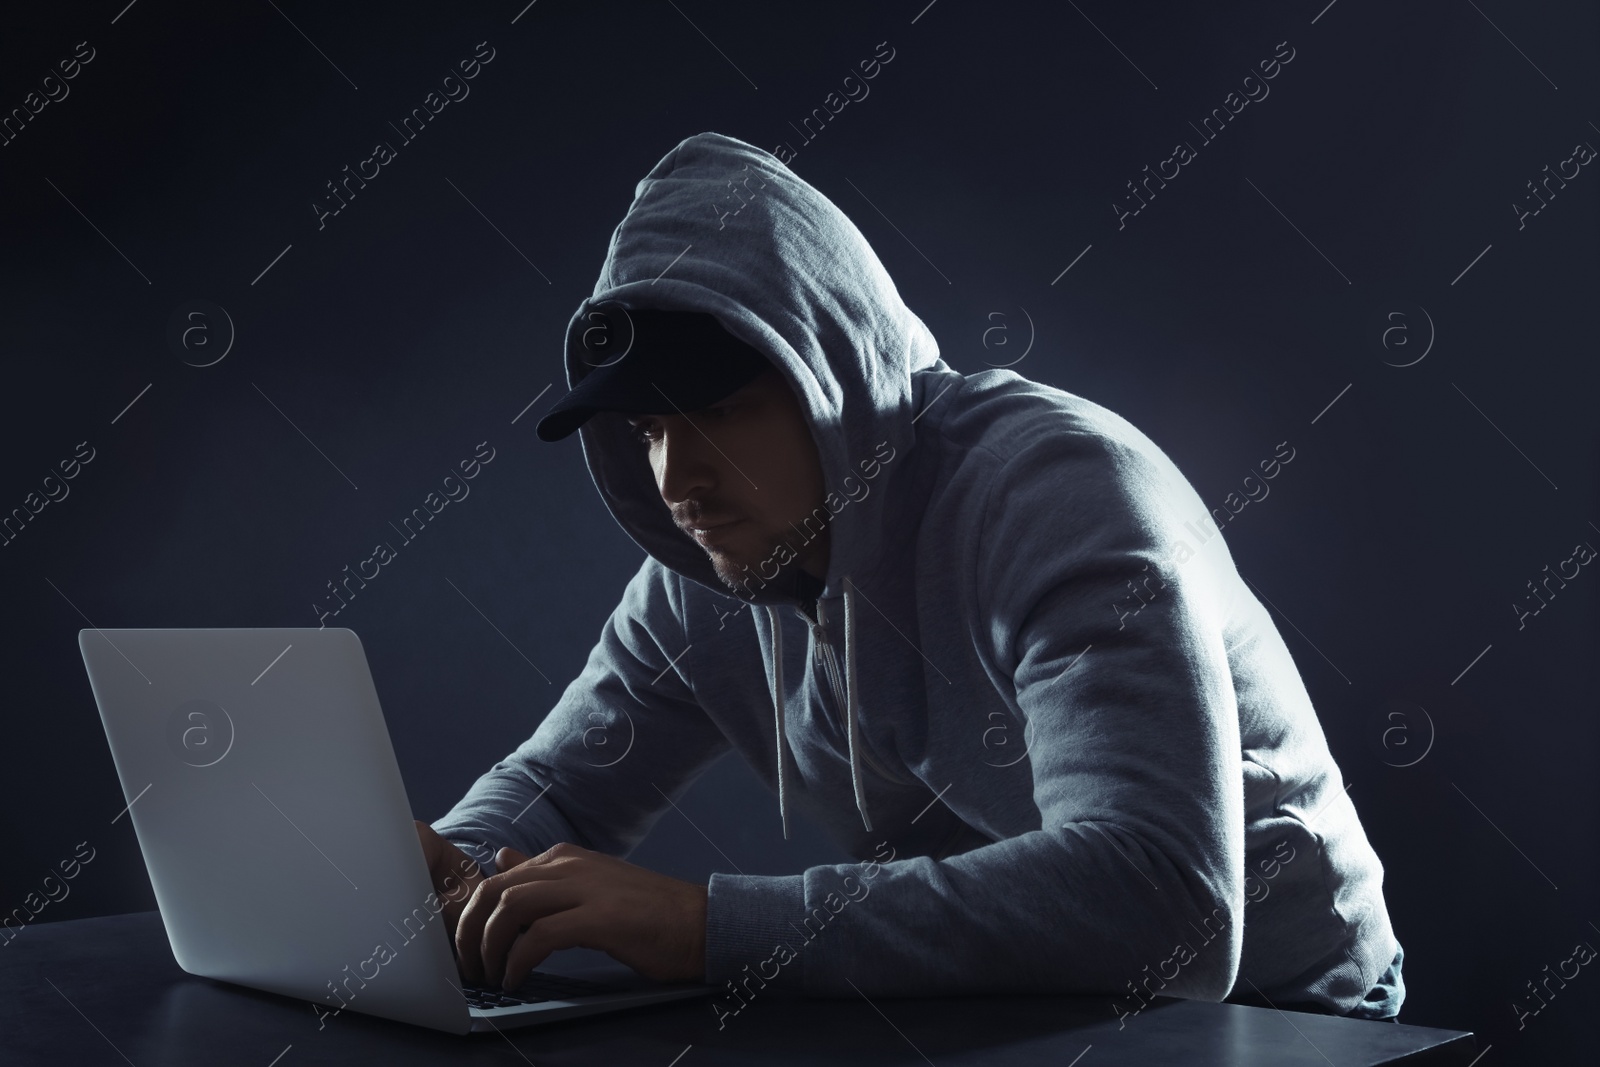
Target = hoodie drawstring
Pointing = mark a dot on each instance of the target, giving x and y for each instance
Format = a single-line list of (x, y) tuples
[(852, 721), (777, 703), (852, 724)]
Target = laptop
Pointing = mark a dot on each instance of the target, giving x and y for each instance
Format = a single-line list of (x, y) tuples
[(264, 791)]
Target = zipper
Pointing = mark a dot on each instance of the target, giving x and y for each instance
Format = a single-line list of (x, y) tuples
[(823, 654)]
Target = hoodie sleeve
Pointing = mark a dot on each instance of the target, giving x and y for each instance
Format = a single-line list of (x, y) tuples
[(1107, 645), (625, 735)]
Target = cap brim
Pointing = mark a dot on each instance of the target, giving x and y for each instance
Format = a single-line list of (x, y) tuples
[(682, 366)]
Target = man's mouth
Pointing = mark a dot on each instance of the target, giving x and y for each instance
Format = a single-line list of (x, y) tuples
[(707, 534)]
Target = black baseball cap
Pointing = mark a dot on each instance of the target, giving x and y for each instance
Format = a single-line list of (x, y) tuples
[(651, 361)]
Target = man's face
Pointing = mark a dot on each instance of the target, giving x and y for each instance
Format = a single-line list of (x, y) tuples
[(737, 474)]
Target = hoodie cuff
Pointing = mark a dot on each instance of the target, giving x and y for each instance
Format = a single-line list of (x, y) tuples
[(750, 930)]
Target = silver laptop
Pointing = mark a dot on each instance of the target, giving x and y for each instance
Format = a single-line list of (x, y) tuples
[(266, 798)]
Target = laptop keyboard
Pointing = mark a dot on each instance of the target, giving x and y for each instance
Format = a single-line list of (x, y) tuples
[(540, 986)]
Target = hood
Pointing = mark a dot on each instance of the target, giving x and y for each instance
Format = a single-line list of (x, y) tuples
[(721, 226)]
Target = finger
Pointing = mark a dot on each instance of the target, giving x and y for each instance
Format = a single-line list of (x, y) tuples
[(485, 897), (509, 857), (455, 881), (563, 929), (481, 905), (521, 907), (454, 891), (430, 842)]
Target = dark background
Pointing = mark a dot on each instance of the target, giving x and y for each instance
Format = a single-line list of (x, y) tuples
[(1253, 292)]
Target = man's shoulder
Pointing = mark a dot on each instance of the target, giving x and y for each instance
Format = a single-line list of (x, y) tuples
[(997, 416)]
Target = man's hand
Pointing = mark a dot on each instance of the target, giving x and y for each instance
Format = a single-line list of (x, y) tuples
[(455, 874), (571, 897)]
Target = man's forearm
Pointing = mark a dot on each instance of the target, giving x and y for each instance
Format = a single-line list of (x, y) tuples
[(505, 808)]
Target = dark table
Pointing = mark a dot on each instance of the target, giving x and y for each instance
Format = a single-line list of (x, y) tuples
[(107, 991)]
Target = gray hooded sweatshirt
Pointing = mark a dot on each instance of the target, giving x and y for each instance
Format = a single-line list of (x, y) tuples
[(1064, 742)]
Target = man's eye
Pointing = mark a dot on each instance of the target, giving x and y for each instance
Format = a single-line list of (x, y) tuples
[(640, 432)]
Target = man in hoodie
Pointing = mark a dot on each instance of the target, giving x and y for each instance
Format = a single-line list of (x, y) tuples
[(979, 628)]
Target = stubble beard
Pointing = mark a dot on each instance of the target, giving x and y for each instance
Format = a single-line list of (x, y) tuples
[(731, 568)]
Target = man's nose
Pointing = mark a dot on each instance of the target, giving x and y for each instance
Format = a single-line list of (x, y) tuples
[(683, 467)]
